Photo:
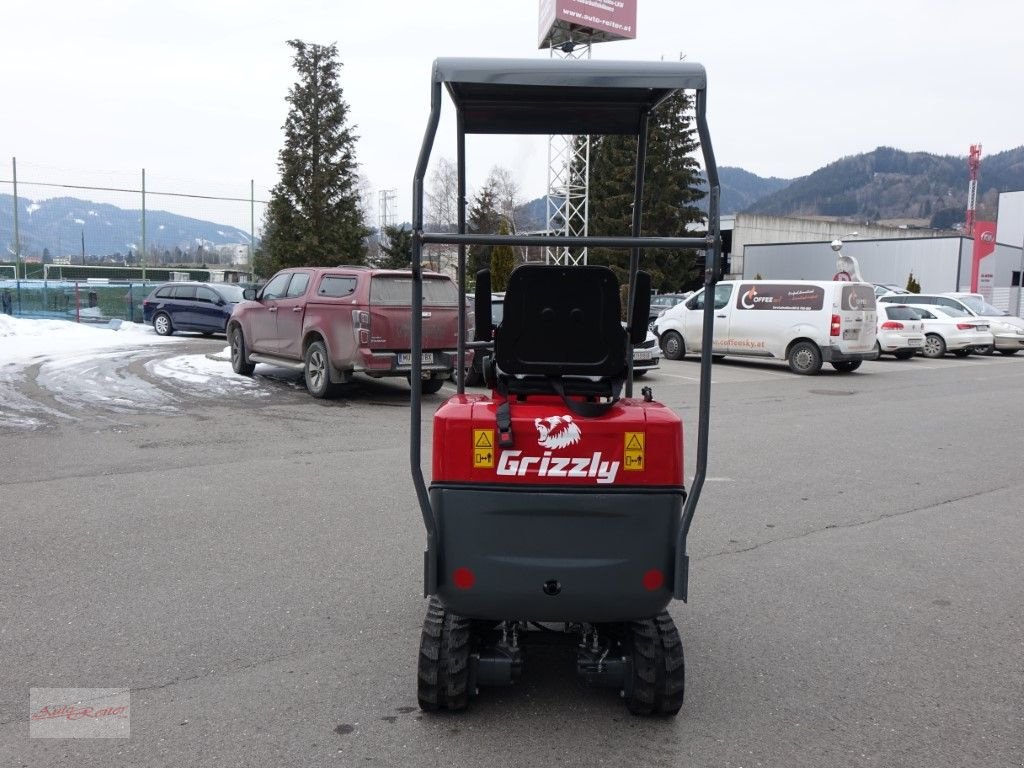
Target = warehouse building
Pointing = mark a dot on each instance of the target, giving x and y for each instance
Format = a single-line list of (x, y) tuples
[(784, 248)]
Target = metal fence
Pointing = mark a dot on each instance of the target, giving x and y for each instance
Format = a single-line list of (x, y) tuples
[(69, 293), (76, 300)]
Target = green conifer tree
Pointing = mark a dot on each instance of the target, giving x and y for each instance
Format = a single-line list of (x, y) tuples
[(396, 252), (503, 261), (484, 219), (672, 187), (314, 215)]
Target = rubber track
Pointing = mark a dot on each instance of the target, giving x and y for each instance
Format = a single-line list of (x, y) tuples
[(659, 671), (455, 661), (428, 690), (443, 668), (674, 681), (647, 663)]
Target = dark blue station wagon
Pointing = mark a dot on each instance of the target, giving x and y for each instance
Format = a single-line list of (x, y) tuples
[(202, 307)]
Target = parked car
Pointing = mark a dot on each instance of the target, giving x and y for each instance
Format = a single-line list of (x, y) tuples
[(331, 323), (883, 288), (1007, 330), (662, 301), (804, 322), (186, 306), (900, 331), (948, 329), (646, 356)]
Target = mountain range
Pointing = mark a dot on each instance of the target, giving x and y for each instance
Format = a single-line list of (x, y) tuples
[(66, 226), (885, 185), (889, 185)]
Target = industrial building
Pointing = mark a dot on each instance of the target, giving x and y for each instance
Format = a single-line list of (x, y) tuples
[(775, 247)]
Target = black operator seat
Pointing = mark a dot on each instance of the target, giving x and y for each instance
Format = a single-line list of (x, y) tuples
[(561, 329)]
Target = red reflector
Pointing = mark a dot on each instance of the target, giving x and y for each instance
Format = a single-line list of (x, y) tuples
[(654, 579), (463, 578), (892, 325), (835, 325)]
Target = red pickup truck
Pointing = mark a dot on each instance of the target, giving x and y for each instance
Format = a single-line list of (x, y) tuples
[(334, 322)]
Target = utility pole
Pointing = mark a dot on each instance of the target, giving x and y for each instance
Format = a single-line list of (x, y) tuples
[(17, 239)]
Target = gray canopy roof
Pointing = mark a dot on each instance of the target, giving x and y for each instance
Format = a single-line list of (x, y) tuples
[(561, 96)]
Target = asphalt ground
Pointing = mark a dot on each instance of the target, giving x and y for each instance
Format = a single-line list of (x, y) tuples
[(250, 568)]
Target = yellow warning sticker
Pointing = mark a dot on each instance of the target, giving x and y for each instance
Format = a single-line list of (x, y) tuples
[(483, 449), (633, 452)]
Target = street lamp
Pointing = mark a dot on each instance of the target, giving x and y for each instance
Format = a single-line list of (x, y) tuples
[(837, 244), (847, 267)]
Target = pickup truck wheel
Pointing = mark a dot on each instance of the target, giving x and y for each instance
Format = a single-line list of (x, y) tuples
[(805, 358), (238, 357), (673, 346), (962, 353), (431, 386), (1008, 351), (318, 371), (904, 354), (988, 349)]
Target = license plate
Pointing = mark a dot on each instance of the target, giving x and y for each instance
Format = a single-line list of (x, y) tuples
[(981, 327), (851, 333), (642, 354), (916, 342), (405, 358)]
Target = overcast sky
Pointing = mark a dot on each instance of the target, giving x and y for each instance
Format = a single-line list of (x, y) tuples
[(194, 90)]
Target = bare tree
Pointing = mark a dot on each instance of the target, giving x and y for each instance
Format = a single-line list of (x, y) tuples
[(442, 212), (506, 191), (506, 198)]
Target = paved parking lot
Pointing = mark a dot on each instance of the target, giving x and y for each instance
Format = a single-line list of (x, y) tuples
[(250, 567)]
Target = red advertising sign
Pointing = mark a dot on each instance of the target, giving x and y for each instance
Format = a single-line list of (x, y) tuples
[(586, 21), (984, 244)]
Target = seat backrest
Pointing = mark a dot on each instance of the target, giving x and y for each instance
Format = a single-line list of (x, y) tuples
[(561, 321)]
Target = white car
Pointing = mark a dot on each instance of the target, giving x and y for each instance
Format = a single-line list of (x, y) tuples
[(950, 329), (1007, 330), (646, 356), (900, 331)]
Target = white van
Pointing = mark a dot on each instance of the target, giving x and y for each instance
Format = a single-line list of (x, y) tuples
[(804, 322)]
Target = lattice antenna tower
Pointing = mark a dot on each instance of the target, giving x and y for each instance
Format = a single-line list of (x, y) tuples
[(386, 215), (568, 200)]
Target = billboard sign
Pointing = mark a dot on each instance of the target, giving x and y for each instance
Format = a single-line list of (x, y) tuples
[(588, 21), (984, 244)]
